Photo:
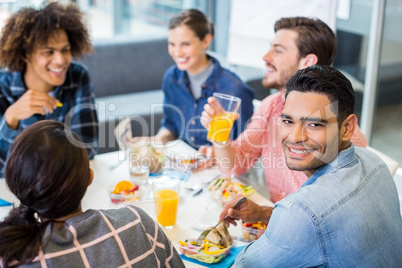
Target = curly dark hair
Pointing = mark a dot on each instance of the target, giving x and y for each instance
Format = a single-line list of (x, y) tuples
[(29, 28)]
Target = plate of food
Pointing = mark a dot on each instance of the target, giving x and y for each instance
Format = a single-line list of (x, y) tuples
[(188, 164), (124, 191), (216, 246), (225, 189)]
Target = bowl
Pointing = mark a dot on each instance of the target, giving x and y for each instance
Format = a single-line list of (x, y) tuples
[(124, 191), (253, 231), (200, 255)]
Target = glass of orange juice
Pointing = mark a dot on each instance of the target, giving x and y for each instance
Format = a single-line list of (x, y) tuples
[(166, 197), (222, 122)]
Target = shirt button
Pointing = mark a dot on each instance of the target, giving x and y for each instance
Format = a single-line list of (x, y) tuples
[(192, 138), (195, 105), (193, 122), (203, 85)]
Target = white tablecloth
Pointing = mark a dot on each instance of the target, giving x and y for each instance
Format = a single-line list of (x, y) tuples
[(194, 213)]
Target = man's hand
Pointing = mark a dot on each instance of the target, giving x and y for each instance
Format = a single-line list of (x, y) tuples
[(32, 102), (248, 212)]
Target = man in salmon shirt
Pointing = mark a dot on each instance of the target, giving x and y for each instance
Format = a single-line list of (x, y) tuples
[(299, 42)]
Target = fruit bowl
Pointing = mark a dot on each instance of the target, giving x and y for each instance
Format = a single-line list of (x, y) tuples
[(124, 191)]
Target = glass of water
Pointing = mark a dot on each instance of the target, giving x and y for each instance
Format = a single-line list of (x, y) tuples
[(138, 167)]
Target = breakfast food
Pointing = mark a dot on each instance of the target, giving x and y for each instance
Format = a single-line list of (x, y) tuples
[(214, 248), (224, 189), (124, 191), (253, 231), (151, 153)]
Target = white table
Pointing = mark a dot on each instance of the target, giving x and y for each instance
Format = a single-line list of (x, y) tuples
[(194, 213)]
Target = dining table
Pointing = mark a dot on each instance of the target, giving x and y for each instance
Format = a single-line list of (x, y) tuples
[(196, 212)]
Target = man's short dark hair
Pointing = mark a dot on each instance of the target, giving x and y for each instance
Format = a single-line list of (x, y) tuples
[(325, 80), (314, 37), (28, 28)]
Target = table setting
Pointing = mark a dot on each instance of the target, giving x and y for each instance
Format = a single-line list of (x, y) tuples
[(195, 208)]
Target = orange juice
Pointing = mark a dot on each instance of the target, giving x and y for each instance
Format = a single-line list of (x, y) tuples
[(220, 127), (166, 202)]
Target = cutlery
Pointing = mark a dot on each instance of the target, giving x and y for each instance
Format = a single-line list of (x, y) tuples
[(206, 232)]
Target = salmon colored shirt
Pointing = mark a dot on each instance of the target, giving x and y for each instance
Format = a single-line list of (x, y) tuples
[(261, 139)]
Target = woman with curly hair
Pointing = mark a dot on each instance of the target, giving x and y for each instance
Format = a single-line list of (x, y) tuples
[(40, 81), (48, 171)]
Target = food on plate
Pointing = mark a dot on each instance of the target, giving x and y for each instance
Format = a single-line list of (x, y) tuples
[(253, 231), (214, 248), (188, 164), (124, 191), (150, 153), (224, 189)]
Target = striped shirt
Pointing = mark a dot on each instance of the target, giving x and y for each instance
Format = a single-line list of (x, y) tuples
[(125, 237), (78, 111), (262, 140)]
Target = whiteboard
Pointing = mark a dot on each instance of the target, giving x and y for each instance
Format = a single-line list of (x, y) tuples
[(252, 25)]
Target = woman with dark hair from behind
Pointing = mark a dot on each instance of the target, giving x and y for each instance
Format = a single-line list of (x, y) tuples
[(48, 171)]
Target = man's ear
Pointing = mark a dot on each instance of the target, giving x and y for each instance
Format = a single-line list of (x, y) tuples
[(348, 127), (309, 60)]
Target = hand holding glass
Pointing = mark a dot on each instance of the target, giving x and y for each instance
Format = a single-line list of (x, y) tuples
[(222, 122)]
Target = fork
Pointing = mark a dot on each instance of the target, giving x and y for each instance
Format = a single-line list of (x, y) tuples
[(206, 232)]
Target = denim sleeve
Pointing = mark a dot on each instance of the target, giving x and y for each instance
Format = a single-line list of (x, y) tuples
[(246, 94), (290, 240), (84, 119)]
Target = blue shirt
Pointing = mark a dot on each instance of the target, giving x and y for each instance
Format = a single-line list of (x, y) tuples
[(182, 113), (346, 214), (78, 111)]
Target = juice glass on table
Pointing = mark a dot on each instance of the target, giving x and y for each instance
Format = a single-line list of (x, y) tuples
[(166, 197), (222, 123)]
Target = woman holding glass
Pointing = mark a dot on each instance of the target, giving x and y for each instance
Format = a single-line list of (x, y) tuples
[(193, 79)]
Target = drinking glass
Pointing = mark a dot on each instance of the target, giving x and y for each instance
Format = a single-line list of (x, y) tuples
[(166, 197), (222, 123)]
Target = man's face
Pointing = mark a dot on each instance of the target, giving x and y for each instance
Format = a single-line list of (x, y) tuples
[(309, 132), (282, 60), (187, 50), (46, 67)]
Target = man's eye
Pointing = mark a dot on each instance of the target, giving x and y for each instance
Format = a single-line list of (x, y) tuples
[(47, 52), (315, 125), (286, 121), (66, 50)]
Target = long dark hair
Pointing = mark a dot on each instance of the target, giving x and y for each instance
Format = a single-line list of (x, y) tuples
[(197, 21), (49, 175), (314, 37)]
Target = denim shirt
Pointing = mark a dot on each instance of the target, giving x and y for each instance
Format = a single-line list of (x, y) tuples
[(346, 214), (78, 111), (182, 113)]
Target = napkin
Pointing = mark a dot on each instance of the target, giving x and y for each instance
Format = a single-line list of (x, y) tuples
[(224, 263), (4, 203)]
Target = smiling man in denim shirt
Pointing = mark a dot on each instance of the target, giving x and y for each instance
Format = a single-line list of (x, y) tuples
[(347, 213)]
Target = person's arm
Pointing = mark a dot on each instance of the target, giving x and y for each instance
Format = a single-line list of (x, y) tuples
[(291, 240), (164, 135), (83, 119), (31, 102)]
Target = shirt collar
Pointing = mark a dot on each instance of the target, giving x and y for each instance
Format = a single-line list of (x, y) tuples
[(344, 158)]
